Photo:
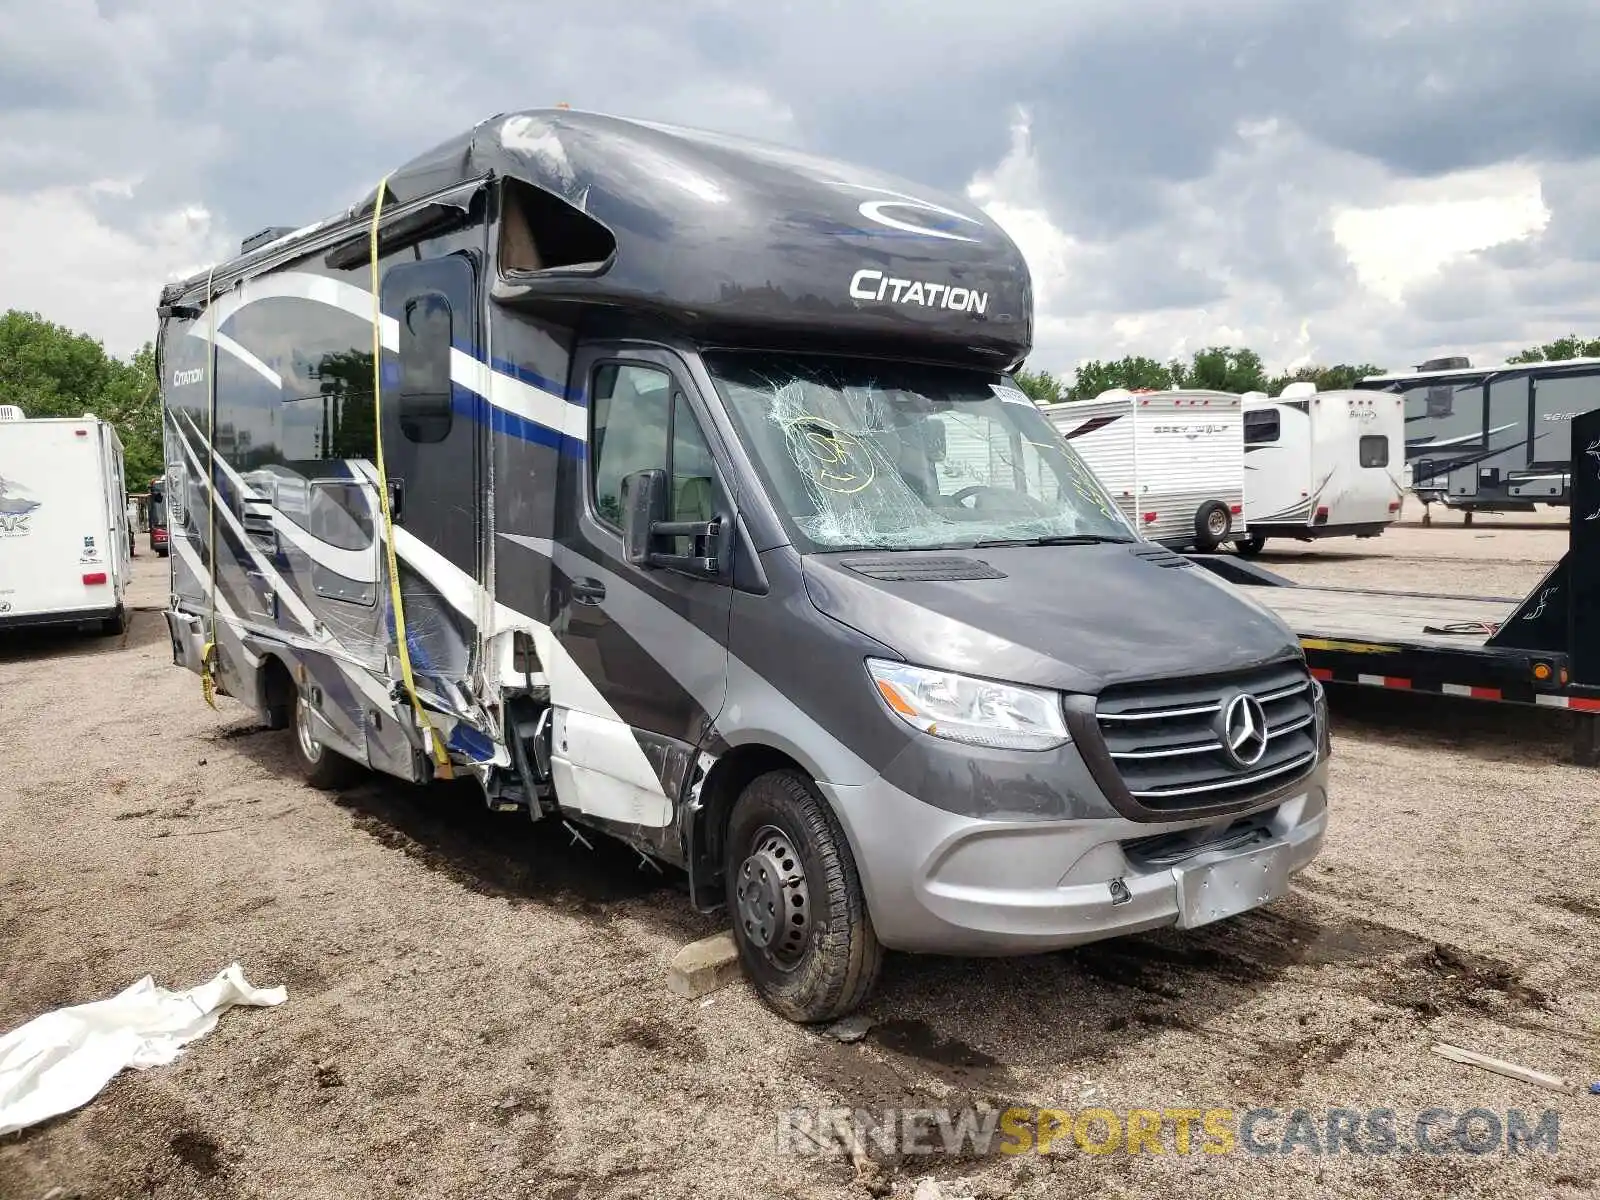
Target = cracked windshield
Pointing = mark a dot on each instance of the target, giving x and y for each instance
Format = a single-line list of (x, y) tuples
[(903, 457)]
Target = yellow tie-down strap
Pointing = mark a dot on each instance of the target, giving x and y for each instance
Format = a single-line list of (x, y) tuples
[(430, 736)]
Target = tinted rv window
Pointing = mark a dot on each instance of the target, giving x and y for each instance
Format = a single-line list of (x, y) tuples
[(425, 337), (340, 514), (1374, 451), (1261, 426)]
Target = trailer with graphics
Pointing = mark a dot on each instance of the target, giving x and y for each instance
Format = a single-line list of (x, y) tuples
[(1542, 649), (676, 487), (1492, 439), (65, 543), (1320, 465), (1172, 460)]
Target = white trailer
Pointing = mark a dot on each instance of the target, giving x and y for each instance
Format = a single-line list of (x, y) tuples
[(65, 545), (1321, 464), (1172, 460)]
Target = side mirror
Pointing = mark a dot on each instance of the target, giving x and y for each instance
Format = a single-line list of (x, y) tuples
[(644, 528), (644, 506)]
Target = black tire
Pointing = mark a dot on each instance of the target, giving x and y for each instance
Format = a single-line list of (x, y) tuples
[(828, 963), (1250, 546), (322, 768), (115, 626), (1213, 525)]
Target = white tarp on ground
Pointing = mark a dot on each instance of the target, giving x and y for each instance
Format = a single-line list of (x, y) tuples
[(59, 1061)]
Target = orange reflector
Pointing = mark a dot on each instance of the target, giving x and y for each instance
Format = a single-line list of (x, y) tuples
[(1541, 670), (892, 696)]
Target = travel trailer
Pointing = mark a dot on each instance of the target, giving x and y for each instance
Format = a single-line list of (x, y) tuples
[(65, 544), (1320, 465), (1172, 460), (1494, 439), (676, 487)]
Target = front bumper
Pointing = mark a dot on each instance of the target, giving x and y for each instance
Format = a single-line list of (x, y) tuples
[(938, 882)]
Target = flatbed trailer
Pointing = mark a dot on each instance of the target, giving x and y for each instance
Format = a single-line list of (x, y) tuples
[(1542, 649)]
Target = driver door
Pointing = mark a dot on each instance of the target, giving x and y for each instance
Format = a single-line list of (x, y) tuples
[(652, 642)]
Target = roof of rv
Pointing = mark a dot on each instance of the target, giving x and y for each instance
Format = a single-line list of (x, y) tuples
[(1551, 364), (718, 228)]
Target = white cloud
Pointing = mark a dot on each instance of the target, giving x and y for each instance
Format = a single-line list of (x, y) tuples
[(74, 255), (1399, 244)]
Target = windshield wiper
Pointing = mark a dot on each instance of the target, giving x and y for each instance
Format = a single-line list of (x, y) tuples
[(1058, 539)]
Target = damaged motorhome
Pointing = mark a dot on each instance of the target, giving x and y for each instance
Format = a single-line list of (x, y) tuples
[(675, 486)]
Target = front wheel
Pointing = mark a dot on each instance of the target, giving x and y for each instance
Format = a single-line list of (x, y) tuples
[(324, 769), (799, 917)]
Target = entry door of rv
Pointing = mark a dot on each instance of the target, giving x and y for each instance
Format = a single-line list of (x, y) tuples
[(652, 641), (432, 451)]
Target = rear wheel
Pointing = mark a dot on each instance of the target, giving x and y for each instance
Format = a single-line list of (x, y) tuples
[(1251, 545), (322, 768), (1213, 525), (799, 917), (115, 625)]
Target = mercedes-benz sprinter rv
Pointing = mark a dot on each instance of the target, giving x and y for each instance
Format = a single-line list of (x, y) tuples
[(675, 486)]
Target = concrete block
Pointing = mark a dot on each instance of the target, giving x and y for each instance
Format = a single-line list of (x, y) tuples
[(704, 966)]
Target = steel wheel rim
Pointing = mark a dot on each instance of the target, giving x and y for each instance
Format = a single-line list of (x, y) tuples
[(1217, 524), (309, 746), (772, 900)]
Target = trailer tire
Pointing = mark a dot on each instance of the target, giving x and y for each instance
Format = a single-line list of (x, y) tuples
[(1251, 545), (1213, 525), (115, 626), (821, 958), (322, 768)]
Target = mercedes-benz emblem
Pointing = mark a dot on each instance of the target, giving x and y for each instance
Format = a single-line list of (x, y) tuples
[(1244, 730)]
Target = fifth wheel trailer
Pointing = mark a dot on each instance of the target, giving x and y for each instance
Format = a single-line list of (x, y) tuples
[(64, 537), (1496, 438), (677, 486)]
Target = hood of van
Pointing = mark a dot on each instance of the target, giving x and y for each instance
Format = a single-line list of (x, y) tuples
[(1075, 618)]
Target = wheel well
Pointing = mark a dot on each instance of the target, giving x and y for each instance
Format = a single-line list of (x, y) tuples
[(275, 692), (731, 774)]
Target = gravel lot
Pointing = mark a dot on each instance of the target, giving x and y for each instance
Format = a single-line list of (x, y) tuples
[(477, 1007)]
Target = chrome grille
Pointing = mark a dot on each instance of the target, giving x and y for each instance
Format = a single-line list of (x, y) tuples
[(1168, 743)]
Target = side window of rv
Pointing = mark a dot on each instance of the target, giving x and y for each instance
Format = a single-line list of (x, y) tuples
[(630, 415), (1260, 426), (1374, 451), (340, 514), (426, 332)]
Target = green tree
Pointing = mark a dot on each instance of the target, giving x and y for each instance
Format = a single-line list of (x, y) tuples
[(1041, 386), (1571, 346), (51, 371), (1339, 377), (1227, 369), (1134, 372)]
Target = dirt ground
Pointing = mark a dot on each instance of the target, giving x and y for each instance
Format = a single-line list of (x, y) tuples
[(477, 1005)]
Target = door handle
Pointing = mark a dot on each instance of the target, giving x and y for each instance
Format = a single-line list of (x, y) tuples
[(588, 591)]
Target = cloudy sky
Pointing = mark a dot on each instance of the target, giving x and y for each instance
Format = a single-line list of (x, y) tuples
[(1362, 180)]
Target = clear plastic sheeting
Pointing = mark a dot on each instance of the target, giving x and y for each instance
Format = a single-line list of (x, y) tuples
[(60, 1061)]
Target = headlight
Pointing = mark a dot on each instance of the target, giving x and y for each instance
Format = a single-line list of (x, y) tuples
[(975, 711)]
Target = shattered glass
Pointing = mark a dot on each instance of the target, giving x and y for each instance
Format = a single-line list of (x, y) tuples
[(899, 457)]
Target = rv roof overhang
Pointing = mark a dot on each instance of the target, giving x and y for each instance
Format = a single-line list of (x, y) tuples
[(769, 248)]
